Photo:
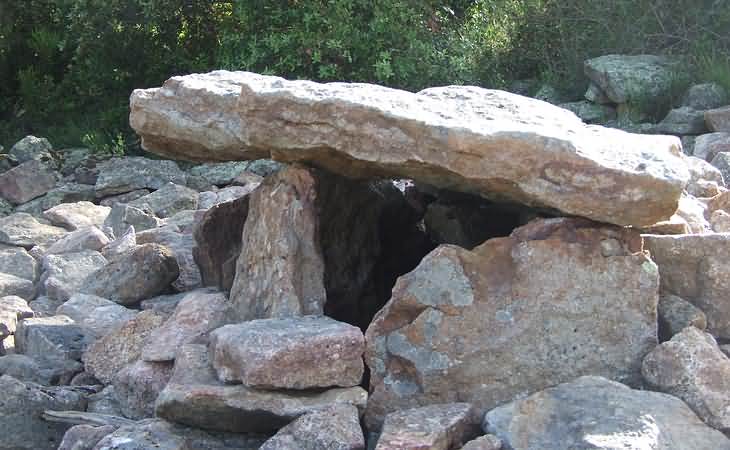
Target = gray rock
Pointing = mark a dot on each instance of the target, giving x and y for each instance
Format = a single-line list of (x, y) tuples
[(168, 200), (62, 193), (705, 96), (705, 179), (595, 413), (74, 216), (337, 427), (31, 148), (144, 272), (40, 371), (683, 120), (718, 119), (486, 442), (181, 245), (97, 316), (84, 437), (75, 157), (676, 314), (55, 337), (595, 94), (590, 112), (720, 221), (23, 230), (6, 208), (26, 182), (12, 285), (123, 216), (549, 94), (195, 397), (87, 238), (124, 198), (137, 386), (121, 245), (688, 144), (198, 313), (165, 304), (710, 144), (722, 162), (12, 309), (220, 174), (44, 306), (208, 199), (21, 425), (296, 353), (120, 175), (556, 299), (17, 261), (104, 402), (438, 427), (65, 274)]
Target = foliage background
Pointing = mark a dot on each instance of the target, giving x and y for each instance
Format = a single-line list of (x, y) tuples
[(68, 66)]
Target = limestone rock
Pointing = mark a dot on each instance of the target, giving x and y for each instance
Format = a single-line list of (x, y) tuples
[(705, 96), (64, 275), (595, 413), (97, 316), (195, 397), (12, 285), (32, 148), (109, 354), (86, 238), (23, 230), (676, 314), (84, 437), (502, 153), (17, 261), (141, 273), (77, 215), (120, 175), (557, 299), (55, 337), (336, 427), (295, 353), (21, 425), (694, 267), (707, 146), (437, 427), (718, 119), (137, 386), (168, 200), (198, 313), (26, 182), (280, 271)]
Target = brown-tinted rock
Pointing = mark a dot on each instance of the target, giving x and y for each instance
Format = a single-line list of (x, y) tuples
[(710, 144), (595, 413), (718, 119), (720, 221), (26, 182), (280, 271), (676, 314), (137, 386), (109, 354), (77, 215), (436, 427), (336, 427), (142, 273), (181, 245), (557, 299), (501, 152), (294, 353), (87, 238), (692, 367)]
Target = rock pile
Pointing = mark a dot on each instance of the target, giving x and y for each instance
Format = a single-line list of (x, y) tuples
[(459, 268)]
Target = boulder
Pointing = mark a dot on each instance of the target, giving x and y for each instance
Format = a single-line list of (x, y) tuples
[(486, 442), (74, 216), (32, 148), (718, 119), (437, 427), (23, 230), (21, 424), (692, 367), (722, 162), (694, 268), (86, 238), (198, 313), (676, 314), (336, 427), (40, 371), (143, 272), (137, 386), (120, 175), (707, 146), (97, 316), (6, 208), (557, 299), (294, 353), (682, 120), (123, 216), (208, 199), (720, 221), (592, 412), (104, 402), (12, 285), (121, 245), (219, 174), (109, 354), (181, 245), (64, 275), (84, 437), (169, 199), (124, 198), (12, 309), (705, 96), (705, 179), (694, 211), (590, 112), (52, 338), (165, 304), (17, 261), (503, 153), (64, 192), (44, 306), (195, 397), (26, 182)]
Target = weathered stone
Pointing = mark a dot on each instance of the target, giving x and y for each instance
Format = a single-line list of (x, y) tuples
[(208, 199), (123, 216), (694, 267), (121, 245), (109, 354), (17, 261), (722, 162), (74, 158), (692, 367), (195, 397), (26, 182), (590, 112), (705, 179), (718, 119), (23, 230), (675, 225), (549, 94), (12, 309), (707, 146), (21, 425), (165, 304), (64, 275), (198, 313), (688, 144), (12, 285), (719, 202), (595, 94), (41, 371), (137, 386), (295, 353), (124, 198), (336, 427), (77, 215), (693, 211), (683, 120), (438, 427), (97, 316), (141, 273), (31, 148), (634, 180), (280, 271), (87, 238), (595, 413), (557, 299), (55, 337), (84, 437), (181, 245), (720, 221), (705, 96), (219, 174), (120, 175), (6, 208), (486, 442), (105, 402), (676, 314), (44, 306), (218, 242), (168, 200), (62, 193)]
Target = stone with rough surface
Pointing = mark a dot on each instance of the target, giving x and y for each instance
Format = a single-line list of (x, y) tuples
[(12, 309), (181, 245), (590, 112), (707, 146), (295, 353), (32, 148), (97, 316), (121, 244), (87, 238), (433, 427), (65, 274), (122, 216), (55, 337), (84, 437), (195, 397), (41, 371), (718, 119), (692, 367), (137, 386), (198, 313), (168, 200), (684, 120), (208, 199), (705, 96), (17, 261), (486, 142), (124, 198), (595, 413), (486, 442), (722, 162), (705, 179), (77, 215), (556, 299), (120, 175), (334, 428), (675, 314), (26, 182), (64, 192), (23, 230), (720, 221), (12, 285)]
